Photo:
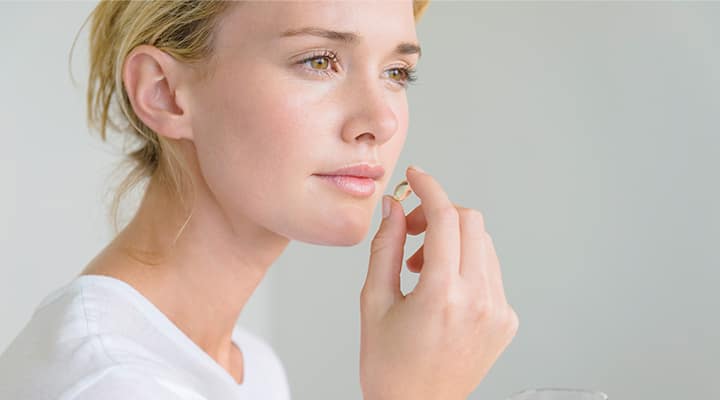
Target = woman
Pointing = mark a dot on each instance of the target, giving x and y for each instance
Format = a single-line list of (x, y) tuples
[(259, 123)]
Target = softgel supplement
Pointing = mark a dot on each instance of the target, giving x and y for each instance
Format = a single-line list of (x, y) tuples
[(402, 190)]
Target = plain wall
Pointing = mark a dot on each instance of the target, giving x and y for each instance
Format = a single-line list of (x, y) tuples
[(586, 134)]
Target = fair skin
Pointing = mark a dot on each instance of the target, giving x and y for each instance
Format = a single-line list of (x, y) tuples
[(255, 133)]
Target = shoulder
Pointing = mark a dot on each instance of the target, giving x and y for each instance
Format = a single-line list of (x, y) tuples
[(82, 343), (121, 382)]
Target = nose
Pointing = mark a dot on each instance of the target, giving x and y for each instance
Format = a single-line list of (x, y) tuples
[(372, 111)]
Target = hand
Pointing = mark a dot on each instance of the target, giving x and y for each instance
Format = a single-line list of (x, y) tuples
[(440, 340)]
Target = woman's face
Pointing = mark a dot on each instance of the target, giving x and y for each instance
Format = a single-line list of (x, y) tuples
[(266, 121)]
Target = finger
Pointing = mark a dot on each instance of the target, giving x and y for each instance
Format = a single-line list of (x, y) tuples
[(494, 271), (382, 283), (474, 249), (414, 263), (416, 222), (442, 235)]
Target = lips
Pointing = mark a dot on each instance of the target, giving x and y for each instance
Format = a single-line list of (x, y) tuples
[(361, 187), (364, 170)]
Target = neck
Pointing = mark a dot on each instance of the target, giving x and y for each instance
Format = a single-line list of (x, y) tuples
[(204, 280)]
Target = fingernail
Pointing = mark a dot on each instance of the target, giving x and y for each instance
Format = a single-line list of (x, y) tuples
[(416, 168), (386, 206)]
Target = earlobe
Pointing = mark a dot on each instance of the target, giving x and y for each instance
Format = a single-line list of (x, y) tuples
[(152, 80)]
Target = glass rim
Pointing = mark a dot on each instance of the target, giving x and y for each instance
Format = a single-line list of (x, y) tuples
[(603, 395)]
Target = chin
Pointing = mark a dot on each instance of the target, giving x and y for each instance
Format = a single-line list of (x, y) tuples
[(336, 235)]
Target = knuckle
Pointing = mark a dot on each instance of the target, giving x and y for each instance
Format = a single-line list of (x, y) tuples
[(447, 214), (513, 322), (364, 295), (444, 291), (482, 310), (472, 217), (443, 294), (489, 239), (366, 299), (473, 224), (454, 298), (378, 243), (452, 307)]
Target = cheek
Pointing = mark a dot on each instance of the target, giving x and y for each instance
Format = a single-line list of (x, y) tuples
[(257, 145)]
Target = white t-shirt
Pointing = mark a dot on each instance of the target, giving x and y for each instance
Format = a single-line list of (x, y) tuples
[(97, 338)]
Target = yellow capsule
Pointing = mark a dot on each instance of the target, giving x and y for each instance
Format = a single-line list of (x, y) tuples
[(402, 190)]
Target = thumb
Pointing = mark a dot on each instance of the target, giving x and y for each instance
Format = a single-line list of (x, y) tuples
[(382, 284)]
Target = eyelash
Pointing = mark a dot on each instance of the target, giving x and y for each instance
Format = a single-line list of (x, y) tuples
[(409, 72)]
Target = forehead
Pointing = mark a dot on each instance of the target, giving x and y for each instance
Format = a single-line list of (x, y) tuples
[(382, 20)]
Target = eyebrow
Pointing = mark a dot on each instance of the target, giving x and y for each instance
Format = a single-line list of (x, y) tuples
[(405, 48)]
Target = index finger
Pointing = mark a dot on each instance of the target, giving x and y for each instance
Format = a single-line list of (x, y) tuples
[(441, 258), (416, 223)]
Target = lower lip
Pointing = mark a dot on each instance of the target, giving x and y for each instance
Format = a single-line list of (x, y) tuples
[(362, 187)]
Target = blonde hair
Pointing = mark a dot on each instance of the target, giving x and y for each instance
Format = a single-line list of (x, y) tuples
[(183, 29)]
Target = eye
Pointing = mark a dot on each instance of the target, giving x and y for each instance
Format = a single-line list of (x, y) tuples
[(321, 63), (403, 75)]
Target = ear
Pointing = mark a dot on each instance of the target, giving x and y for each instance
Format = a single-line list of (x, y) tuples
[(157, 86)]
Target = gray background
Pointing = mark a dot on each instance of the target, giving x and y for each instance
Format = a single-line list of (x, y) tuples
[(586, 133)]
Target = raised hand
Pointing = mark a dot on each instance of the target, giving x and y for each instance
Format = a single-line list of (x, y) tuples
[(440, 340)]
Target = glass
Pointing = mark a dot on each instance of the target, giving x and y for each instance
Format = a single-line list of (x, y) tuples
[(558, 394)]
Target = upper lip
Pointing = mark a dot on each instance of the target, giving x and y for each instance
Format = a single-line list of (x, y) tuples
[(359, 170)]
